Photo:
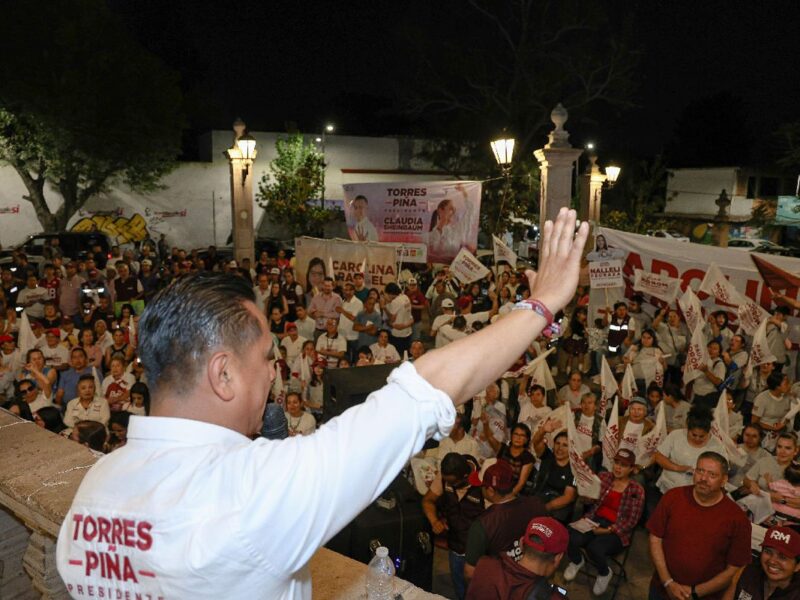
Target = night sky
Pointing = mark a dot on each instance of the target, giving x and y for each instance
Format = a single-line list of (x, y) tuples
[(278, 62)]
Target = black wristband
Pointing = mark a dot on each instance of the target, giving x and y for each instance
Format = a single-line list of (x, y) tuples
[(694, 594)]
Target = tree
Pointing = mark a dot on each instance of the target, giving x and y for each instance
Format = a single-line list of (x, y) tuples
[(788, 142), (82, 106), (509, 68), (295, 177)]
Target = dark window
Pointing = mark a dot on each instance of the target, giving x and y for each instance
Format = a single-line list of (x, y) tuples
[(768, 187), (751, 188)]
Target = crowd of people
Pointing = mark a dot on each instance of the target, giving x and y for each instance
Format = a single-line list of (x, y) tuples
[(507, 459)]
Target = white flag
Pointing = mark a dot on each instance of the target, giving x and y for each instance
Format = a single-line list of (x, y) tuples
[(715, 284), (588, 482), (608, 386), (760, 352), (690, 306), (26, 340), (720, 430), (611, 437), (751, 315), (696, 355), (503, 252), (647, 445), (627, 388), (540, 373), (663, 287), (467, 268), (562, 414)]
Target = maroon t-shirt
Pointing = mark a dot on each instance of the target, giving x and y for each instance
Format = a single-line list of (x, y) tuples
[(699, 541)]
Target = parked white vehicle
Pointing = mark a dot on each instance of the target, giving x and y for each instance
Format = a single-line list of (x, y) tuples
[(668, 234), (755, 245)]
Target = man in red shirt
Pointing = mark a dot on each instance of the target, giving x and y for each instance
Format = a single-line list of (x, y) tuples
[(502, 578), (699, 537), (418, 304)]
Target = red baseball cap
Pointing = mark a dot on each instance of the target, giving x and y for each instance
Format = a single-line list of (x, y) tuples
[(6, 338), (545, 534), (54, 331), (498, 476), (464, 301), (783, 539)]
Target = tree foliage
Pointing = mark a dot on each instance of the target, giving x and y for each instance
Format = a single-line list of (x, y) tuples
[(643, 197), (294, 180), (788, 138), (82, 106), (507, 69)]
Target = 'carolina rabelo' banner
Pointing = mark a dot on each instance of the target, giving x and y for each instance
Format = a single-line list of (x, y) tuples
[(317, 259)]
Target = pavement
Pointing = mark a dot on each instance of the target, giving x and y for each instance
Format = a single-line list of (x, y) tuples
[(638, 568)]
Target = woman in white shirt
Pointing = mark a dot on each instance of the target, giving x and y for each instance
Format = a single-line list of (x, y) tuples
[(299, 421), (573, 391), (677, 454), (643, 357)]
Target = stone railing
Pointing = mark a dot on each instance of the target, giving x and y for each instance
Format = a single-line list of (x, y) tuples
[(39, 475)]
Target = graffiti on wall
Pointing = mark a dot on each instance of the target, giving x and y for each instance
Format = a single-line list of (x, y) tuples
[(121, 229)]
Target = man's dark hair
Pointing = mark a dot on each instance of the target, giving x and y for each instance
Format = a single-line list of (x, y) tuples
[(774, 380), (194, 316), (460, 323), (784, 310), (618, 304), (92, 433), (393, 289), (361, 197), (535, 387), (86, 377), (79, 350), (717, 458), (455, 464), (120, 417)]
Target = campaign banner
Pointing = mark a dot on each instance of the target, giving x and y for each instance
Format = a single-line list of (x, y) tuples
[(606, 274), (692, 311), (662, 287), (441, 215), (316, 259), (647, 445), (588, 483), (466, 268), (690, 262), (503, 252)]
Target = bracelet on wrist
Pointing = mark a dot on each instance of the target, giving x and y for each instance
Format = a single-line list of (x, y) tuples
[(667, 582), (540, 309)]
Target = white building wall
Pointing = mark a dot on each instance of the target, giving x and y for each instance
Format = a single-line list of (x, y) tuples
[(193, 208), (694, 192)]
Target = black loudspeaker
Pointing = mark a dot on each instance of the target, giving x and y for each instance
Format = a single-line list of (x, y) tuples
[(343, 388), (396, 521)]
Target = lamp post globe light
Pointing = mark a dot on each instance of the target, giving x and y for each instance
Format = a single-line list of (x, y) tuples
[(241, 155), (612, 173), (503, 150)]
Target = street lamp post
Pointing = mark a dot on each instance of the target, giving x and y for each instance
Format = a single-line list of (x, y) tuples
[(591, 188), (503, 150), (241, 155), (320, 139)]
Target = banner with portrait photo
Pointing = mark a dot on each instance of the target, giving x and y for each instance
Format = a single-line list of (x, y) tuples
[(439, 215), (316, 259)]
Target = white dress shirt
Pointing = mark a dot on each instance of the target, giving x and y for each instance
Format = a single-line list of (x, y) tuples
[(201, 511)]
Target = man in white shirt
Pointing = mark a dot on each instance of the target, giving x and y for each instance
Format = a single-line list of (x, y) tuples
[(348, 311), (262, 291), (535, 410), (87, 406), (32, 298), (55, 355), (10, 365), (331, 346), (447, 316), (459, 441), (400, 317), (305, 324), (383, 351), (190, 507), (293, 343)]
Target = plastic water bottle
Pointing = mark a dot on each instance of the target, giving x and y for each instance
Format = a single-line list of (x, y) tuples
[(380, 576)]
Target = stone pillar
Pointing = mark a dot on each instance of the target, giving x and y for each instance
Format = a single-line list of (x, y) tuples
[(242, 224), (722, 220), (40, 564), (14, 582), (556, 163), (591, 191)]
